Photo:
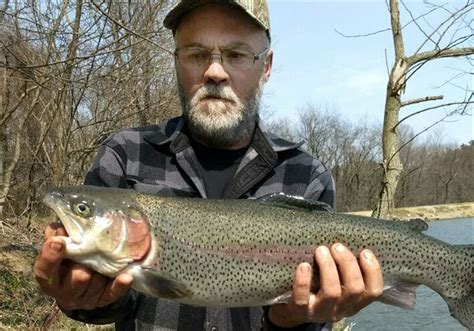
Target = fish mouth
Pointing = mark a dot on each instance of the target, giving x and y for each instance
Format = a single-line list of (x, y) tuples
[(57, 203)]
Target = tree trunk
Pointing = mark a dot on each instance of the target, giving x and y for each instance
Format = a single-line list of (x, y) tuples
[(392, 166)]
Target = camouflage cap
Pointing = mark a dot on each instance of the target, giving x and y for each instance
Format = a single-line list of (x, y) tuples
[(256, 9)]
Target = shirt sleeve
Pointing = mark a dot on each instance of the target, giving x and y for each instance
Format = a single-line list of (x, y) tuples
[(108, 168), (109, 314), (267, 325)]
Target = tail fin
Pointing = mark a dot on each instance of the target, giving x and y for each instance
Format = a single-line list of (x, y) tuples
[(463, 310)]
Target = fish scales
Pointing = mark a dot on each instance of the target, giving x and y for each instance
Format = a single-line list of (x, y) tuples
[(233, 253)]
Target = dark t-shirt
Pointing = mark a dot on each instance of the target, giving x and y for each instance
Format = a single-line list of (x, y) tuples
[(217, 167)]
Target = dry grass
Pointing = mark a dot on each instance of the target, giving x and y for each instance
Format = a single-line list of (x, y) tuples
[(23, 306), (433, 212)]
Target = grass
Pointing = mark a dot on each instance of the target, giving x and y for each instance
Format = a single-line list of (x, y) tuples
[(22, 305)]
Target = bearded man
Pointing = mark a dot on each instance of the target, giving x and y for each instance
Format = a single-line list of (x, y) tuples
[(216, 149)]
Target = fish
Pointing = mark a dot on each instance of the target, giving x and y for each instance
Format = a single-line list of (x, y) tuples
[(244, 252)]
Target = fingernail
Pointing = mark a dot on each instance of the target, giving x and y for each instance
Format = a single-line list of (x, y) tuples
[(55, 246), (340, 248), (323, 250), (368, 255), (126, 278), (305, 267)]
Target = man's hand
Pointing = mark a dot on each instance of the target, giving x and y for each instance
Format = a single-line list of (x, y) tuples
[(347, 285), (72, 285)]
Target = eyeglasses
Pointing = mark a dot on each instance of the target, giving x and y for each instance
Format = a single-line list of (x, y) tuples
[(197, 58)]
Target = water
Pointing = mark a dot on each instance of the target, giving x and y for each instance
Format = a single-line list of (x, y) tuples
[(431, 312)]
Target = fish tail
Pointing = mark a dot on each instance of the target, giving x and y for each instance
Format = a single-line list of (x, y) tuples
[(462, 308)]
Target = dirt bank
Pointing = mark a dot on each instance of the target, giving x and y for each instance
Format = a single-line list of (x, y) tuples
[(433, 212)]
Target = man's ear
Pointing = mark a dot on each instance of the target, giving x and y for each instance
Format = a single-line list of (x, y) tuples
[(268, 64)]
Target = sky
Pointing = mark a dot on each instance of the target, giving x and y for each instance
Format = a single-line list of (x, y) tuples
[(314, 64)]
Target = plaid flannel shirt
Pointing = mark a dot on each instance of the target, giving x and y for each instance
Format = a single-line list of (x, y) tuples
[(159, 160)]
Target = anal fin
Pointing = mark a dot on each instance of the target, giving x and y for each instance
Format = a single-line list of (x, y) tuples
[(402, 294)]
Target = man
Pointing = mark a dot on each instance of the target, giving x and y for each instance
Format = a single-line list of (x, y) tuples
[(216, 150)]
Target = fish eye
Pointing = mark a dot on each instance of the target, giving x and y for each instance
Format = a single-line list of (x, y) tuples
[(82, 209)]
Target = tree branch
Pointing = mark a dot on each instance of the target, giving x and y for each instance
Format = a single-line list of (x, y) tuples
[(418, 100), (438, 54), (130, 30), (465, 103)]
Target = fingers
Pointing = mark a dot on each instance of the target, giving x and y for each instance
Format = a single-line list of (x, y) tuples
[(115, 289), (347, 284), (77, 280), (302, 285), (297, 309), (54, 229), (373, 277), (352, 281), (330, 286), (73, 286), (361, 280), (47, 265)]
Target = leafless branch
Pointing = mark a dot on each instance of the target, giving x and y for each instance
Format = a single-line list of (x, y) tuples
[(361, 35), (438, 54), (418, 100), (463, 103), (128, 29)]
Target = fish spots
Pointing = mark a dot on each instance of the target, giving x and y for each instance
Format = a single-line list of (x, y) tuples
[(230, 253)]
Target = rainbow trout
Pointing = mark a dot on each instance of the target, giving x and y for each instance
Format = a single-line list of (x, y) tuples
[(241, 253)]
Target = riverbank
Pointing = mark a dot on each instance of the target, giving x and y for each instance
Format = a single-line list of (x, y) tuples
[(430, 213)]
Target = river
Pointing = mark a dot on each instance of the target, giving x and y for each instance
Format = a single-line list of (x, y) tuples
[(431, 312)]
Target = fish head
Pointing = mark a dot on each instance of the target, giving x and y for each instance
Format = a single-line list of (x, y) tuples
[(107, 229)]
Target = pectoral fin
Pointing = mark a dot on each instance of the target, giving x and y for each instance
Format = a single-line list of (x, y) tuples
[(160, 286)]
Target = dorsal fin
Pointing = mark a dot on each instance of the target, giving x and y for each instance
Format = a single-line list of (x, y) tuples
[(294, 202), (417, 224)]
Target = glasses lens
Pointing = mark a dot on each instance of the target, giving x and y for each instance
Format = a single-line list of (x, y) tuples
[(238, 60), (193, 57), (198, 58)]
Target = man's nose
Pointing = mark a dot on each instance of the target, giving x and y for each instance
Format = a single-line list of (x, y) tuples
[(215, 71)]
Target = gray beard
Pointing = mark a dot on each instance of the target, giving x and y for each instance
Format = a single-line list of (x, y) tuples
[(220, 123)]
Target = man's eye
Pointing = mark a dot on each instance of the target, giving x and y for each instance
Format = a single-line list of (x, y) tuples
[(235, 56), (198, 55)]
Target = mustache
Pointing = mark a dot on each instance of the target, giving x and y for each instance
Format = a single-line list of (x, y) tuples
[(215, 91)]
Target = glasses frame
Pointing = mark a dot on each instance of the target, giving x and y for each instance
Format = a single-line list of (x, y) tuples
[(255, 57)]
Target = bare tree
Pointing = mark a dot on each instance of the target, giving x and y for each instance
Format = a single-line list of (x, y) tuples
[(444, 40), (72, 73)]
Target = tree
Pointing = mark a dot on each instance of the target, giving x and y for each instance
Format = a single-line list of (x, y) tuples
[(446, 39), (72, 73)]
